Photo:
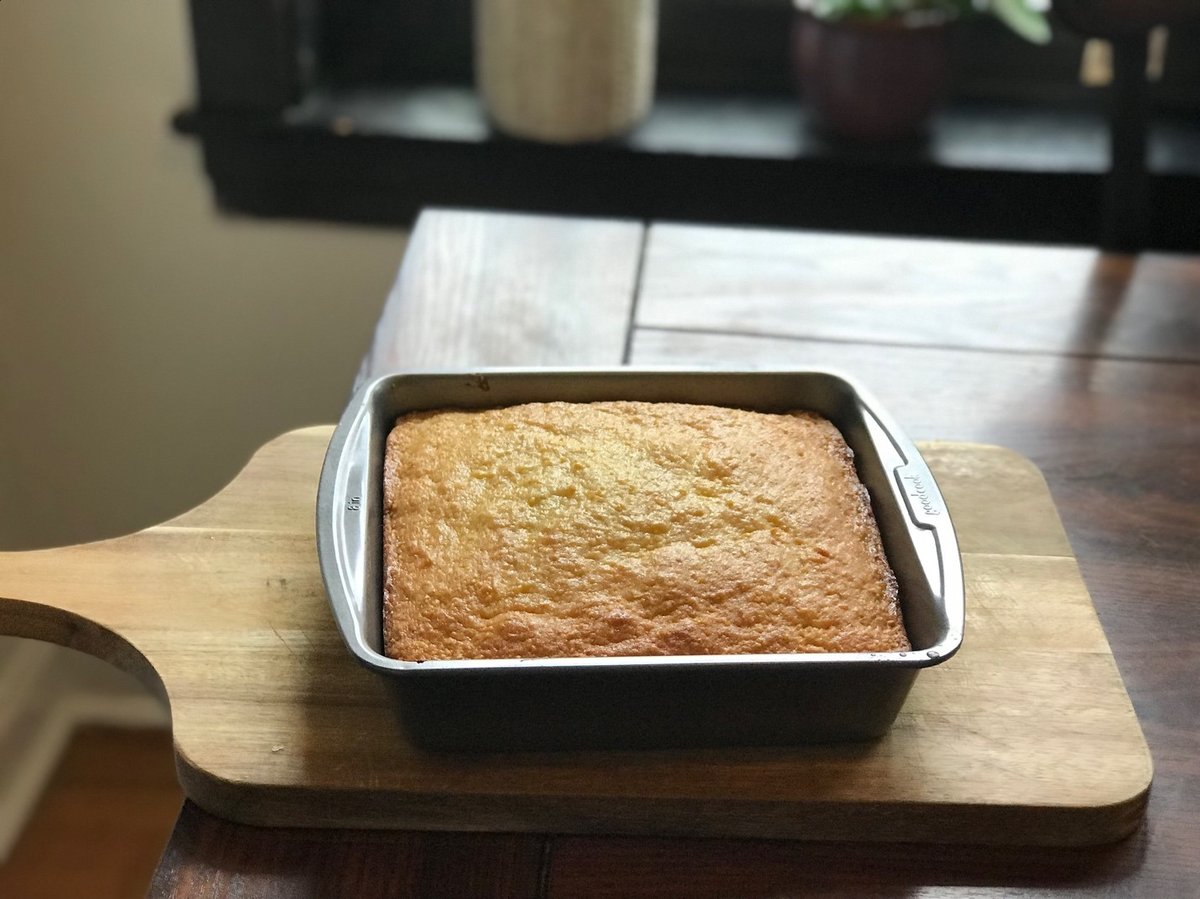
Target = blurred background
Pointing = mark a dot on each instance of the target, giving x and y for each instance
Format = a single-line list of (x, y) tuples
[(203, 205), (148, 344), (896, 116)]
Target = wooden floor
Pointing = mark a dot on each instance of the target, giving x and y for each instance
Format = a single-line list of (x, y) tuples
[(101, 826)]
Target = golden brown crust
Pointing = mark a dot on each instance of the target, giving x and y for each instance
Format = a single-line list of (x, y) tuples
[(627, 529)]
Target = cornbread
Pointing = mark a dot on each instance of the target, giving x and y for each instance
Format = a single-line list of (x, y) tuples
[(628, 529)]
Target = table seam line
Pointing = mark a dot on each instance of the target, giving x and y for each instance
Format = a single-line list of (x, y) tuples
[(861, 341), (638, 276)]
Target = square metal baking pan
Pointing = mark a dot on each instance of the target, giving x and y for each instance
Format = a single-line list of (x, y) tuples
[(644, 702)]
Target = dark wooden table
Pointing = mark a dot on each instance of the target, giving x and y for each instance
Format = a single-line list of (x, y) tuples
[(1088, 364)]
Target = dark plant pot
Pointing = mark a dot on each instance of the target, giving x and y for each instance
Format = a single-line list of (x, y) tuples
[(871, 80)]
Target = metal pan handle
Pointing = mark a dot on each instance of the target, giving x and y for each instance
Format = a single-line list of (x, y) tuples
[(347, 503), (928, 524)]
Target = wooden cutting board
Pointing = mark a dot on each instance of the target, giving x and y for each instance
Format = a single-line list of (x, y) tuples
[(1027, 736)]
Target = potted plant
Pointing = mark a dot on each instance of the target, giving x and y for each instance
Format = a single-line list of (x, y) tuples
[(876, 69)]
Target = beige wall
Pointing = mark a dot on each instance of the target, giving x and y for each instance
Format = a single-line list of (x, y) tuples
[(147, 342)]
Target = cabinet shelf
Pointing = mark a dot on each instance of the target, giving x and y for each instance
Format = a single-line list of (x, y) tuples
[(985, 170)]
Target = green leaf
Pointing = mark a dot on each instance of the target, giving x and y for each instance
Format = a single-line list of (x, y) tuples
[(1025, 21)]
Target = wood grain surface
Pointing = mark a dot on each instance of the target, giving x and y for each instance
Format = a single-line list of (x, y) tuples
[(1110, 416), (1026, 736), (847, 289), (272, 863), (499, 289), (1079, 361)]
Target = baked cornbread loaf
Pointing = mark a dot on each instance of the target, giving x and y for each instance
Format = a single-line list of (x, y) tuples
[(628, 529)]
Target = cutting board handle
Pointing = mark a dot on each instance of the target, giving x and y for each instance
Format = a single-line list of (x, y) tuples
[(49, 595), (101, 598)]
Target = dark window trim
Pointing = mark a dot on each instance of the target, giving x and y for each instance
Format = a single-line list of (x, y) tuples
[(285, 133)]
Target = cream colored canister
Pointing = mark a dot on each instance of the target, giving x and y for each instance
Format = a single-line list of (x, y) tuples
[(566, 71)]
